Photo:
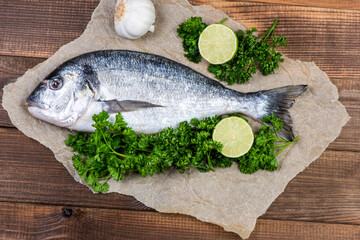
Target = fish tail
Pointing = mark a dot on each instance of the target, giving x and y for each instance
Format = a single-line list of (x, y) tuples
[(279, 101)]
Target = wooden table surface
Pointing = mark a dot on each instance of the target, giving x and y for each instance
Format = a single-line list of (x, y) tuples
[(40, 200)]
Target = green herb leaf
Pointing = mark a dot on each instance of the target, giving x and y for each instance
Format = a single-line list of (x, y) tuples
[(114, 150), (264, 150), (190, 32), (254, 52)]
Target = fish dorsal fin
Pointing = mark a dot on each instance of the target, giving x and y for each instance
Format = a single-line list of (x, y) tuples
[(115, 106)]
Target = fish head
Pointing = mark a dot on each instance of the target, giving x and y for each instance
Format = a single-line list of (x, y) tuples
[(62, 98)]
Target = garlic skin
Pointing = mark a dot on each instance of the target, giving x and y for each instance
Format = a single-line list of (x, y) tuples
[(134, 18)]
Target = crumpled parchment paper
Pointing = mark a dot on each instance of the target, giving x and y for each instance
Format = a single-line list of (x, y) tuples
[(225, 197)]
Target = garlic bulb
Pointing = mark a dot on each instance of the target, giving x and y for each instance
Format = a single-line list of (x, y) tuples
[(134, 18)]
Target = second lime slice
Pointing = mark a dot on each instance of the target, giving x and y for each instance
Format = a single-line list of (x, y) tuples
[(236, 136)]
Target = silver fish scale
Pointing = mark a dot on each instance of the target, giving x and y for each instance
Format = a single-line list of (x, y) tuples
[(183, 93)]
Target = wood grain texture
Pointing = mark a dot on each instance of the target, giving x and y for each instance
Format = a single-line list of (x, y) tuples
[(10, 69), (327, 191), (349, 136), (337, 4), (25, 221), (28, 221), (33, 175), (290, 230), (43, 26)]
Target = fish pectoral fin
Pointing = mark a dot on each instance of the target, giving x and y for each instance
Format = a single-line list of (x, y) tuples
[(115, 106)]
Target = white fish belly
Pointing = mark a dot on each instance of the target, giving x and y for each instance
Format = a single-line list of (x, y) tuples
[(153, 120)]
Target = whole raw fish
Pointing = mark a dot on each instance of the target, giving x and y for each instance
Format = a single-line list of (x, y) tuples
[(151, 92)]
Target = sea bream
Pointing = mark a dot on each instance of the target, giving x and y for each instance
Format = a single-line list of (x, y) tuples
[(151, 92)]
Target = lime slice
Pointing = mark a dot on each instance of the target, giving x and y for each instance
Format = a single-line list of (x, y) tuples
[(236, 136), (218, 44)]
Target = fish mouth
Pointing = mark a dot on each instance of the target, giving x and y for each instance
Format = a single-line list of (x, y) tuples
[(31, 103)]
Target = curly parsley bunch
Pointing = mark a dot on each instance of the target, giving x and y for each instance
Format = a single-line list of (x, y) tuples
[(114, 150), (254, 52)]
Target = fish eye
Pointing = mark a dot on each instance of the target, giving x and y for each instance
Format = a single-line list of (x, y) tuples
[(56, 83)]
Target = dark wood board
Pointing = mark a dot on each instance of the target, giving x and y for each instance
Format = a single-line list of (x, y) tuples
[(335, 4), (320, 203), (29, 221)]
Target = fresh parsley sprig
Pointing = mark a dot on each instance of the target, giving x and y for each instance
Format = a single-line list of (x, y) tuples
[(266, 147), (114, 150), (190, 31), (254, 52)]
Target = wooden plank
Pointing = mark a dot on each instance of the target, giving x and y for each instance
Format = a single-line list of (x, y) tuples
[(42, 26), (348, 139), (25, 221), (30, 173), (13, 67), (10, 69), (340, 4), (4, 118), (327, 191), (293, 230), (28, 221)]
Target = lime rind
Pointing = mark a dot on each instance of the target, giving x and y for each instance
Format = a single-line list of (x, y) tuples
[(218, 44), (235, 134)]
